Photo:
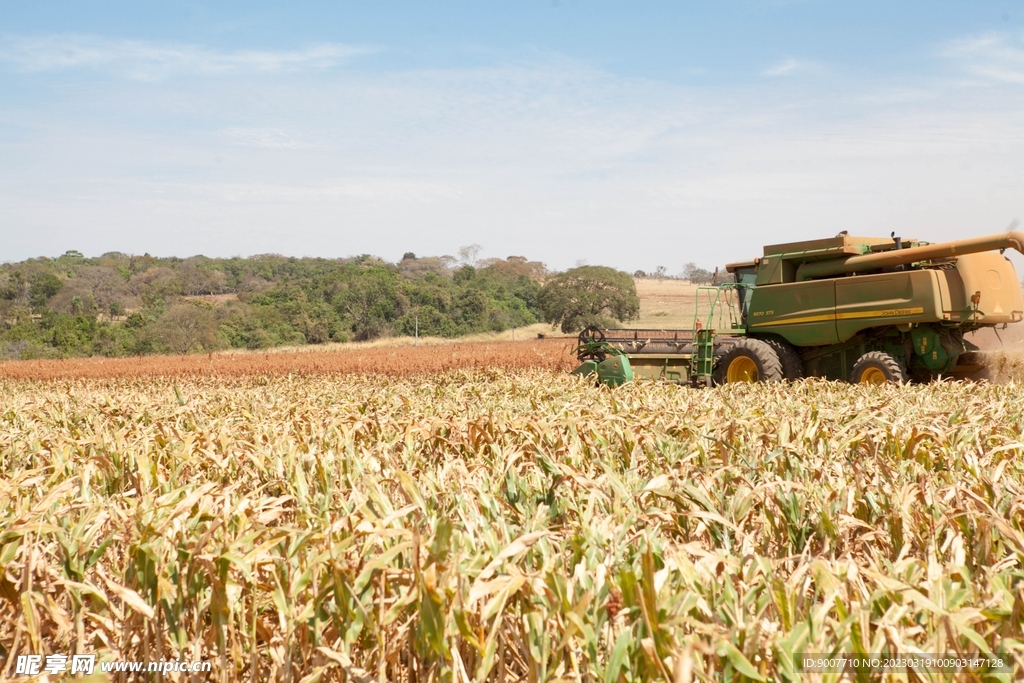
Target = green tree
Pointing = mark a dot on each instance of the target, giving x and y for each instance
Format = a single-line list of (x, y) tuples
[(370, 301), (429, 322), (119, 304), (588, 295), (42, 288)]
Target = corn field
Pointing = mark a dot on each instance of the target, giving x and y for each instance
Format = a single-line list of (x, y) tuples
[(486, 525)]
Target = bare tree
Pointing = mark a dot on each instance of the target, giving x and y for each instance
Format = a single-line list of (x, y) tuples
[(186, 328), (197, 280), (516, 266), (697, 275), (156, 284), (420, 267), (101, 285), (469, 254)]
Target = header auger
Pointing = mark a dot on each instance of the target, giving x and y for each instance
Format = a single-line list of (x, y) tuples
[(866, 309)]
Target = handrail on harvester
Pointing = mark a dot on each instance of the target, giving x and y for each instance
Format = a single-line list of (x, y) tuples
[(856, 264)]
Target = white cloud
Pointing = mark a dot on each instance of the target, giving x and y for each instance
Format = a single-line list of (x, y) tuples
[(994, 57), (790, 66), (149, 60)]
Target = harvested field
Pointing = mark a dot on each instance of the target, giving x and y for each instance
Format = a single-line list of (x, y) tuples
[(550, 354), (509, 526), (671, 304), (664, 303)]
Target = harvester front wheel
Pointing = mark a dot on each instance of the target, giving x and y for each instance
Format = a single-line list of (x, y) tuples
[(749, 360), (878, 367)]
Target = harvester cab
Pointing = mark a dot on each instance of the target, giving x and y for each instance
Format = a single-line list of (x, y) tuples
[(866, 309)]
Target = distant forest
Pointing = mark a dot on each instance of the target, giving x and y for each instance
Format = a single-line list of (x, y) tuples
[(121, 305)]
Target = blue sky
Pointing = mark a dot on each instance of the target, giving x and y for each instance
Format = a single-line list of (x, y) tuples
[(627, 134)]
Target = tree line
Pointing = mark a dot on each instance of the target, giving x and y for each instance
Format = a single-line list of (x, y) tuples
[(691, 273), (120, 304)]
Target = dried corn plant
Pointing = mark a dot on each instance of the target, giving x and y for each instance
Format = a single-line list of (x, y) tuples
[(396, 361), (508, 525)]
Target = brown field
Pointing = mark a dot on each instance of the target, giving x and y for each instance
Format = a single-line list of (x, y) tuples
[(551, 354), (670, 304), (664, 303), (526, 333)]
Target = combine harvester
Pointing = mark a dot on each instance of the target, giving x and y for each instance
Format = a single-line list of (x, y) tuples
[(871, 310)]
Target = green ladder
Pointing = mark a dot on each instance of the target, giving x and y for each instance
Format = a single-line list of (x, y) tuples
[(703, 355), (703, 359)]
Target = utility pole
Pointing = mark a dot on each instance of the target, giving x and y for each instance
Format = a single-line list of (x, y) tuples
[(416, 341)]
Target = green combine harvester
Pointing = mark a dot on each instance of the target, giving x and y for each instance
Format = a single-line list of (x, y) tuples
[(870, 310)]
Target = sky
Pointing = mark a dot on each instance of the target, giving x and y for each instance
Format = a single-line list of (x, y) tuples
[(629, 134)]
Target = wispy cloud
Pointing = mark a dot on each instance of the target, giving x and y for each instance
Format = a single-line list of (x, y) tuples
[(271, 138), (362, 189), (997, 57), (150, 60), (395, 160), (791, 67)]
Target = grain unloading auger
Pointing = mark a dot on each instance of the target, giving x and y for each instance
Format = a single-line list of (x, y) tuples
[(867, 309)]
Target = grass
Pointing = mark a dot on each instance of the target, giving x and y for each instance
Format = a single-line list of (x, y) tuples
[(508, 525)]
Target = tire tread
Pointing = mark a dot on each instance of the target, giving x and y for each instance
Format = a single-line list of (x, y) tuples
[(792, 364), (891, 365), (766, 357)]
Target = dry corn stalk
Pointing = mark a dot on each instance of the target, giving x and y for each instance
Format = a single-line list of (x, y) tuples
[(507, 525)]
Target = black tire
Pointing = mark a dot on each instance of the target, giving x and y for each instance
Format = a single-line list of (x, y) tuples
[(792, 364), (878, 367), (750, 360)]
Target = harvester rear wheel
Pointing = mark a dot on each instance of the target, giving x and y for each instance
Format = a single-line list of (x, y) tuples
[(792, 364), (749, 360), (878, 367)]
